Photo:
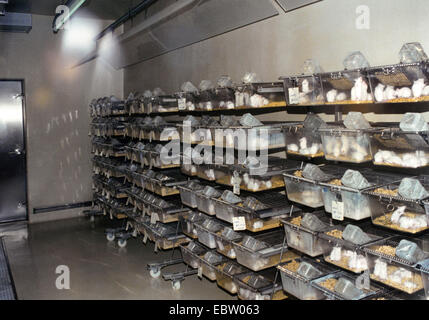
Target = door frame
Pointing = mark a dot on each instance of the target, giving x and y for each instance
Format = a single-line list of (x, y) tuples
[(24, 132)]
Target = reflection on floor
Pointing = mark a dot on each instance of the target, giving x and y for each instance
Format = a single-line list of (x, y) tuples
[(98, 269)]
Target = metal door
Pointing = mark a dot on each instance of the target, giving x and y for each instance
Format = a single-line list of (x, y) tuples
[(13, 186)]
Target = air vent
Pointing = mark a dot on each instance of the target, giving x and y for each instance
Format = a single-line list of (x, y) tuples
[(15, 22)]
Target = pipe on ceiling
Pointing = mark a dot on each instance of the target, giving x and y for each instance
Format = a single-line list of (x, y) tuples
[(158, 18), (127, 16)]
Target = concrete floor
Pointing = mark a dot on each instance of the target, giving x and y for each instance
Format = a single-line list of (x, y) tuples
[(98, 269)]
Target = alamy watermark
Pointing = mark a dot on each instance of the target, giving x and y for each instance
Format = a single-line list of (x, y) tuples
[(363, 20), (63, 280)]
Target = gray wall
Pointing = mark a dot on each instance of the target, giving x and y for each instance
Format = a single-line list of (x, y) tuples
[(58, 145), (278, 46)]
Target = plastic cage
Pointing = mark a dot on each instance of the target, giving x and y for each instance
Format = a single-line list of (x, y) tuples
[(192, 253), (261, 211), (346, 254), (262, 285), (392, 211), (352, 203), (346, 145), (188, 193), (305, 239), (396, 148), (303, 90), (187, 221), (394, 83), (209, 264), (263, 251), (301, 141), (394, 271), (261, 178), (207, 230), (163, 104), (260, 95), (346, 87), (225, 275), (297, 276), (343, 286), (308, 192)]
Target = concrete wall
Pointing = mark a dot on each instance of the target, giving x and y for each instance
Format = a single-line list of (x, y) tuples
[(57, 99), (325, 31)]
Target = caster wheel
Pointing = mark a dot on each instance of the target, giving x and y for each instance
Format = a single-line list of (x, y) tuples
[(155, 273), (176, 285), (110, 237), (122, 243)]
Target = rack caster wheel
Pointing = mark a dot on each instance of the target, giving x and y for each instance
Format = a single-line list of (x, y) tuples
[(122, 243), (110, 237), (176, 285), (155, 273)]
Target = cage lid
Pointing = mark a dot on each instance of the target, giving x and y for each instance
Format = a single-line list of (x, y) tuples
[(313, 121), (254, 244), (225, 82), (213, 258), (157, 92), (354, 179), (355, 60), (308, 271), (356, 121), (230, 234), (250, 77), (230, 197), (414, 122), (188, 87), (409, 251), (355, 235), (313, 172), (206, 85), (247, 120), (312, 222), (311, 66), (412, 52), (347, 289), (412, 189)]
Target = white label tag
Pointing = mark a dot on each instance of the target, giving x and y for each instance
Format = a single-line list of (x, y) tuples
[(200, 272), (239, 223), (145, 238), (293, 95), (154, 218), (338, 210), (220, 245), (182, 104), (236, 182)]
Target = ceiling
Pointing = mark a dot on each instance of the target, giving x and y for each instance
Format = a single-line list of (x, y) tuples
[(102, 9)]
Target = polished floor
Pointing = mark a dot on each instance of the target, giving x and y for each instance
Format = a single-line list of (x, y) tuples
[(98, 269)]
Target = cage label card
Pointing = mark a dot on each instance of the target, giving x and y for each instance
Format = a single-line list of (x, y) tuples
[(182, 104), (338, 210), (293, 95), (239, 223)]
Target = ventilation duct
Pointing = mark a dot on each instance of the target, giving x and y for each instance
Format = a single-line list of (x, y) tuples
[(183, 23), (15, 22)]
